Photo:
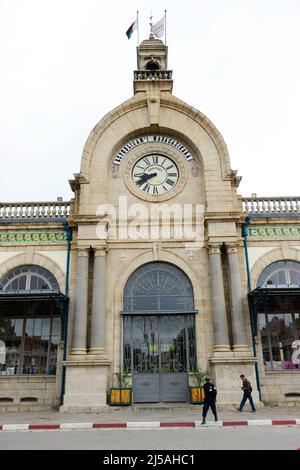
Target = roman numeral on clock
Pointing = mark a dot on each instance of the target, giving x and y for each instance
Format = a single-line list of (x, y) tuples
[(170, 182), (146, 188)]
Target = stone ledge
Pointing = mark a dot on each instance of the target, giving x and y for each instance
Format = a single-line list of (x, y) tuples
[(86, 363), (233, 360)]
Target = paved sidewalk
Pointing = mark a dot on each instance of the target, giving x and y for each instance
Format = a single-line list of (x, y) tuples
[(145, 416)]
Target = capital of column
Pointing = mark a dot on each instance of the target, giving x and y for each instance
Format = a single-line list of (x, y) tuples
[(83, 252), (232, 247), (214, 248), (100, 250)]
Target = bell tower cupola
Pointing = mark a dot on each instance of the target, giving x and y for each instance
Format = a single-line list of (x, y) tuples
[(152, 67)]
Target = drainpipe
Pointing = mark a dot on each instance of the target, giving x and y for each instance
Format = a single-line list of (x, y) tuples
[(253, 328), (68, 232)]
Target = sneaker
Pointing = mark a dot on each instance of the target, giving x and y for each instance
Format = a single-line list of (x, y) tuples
[(238, 409), (253, 411), (216, 420), (203, 421)]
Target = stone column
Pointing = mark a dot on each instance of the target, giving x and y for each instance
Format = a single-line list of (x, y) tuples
[(237, 314), (218, 300), (98, 305), (81, 302)]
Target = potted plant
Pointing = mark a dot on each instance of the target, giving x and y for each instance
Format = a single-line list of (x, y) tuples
[(196, 391), (121, 395)]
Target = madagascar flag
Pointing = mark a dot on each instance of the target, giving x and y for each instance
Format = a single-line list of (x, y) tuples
[(131, 29)]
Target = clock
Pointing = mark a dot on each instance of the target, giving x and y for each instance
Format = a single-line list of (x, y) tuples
[(155, 174)]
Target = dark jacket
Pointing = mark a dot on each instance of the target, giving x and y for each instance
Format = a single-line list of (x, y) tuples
[(246, 386), (210, 392)]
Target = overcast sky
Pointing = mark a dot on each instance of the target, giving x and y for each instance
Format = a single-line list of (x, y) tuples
[(66, 63)]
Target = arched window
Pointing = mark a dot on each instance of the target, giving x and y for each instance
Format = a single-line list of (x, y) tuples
[(30, 330), (29, 277), (158, 287), (283, 273), (151, 65), (279, 325)]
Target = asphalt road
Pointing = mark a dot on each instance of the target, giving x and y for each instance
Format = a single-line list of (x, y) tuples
[(247, 438)]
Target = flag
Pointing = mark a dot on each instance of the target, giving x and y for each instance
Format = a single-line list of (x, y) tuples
[(159, 28), (131, 28)]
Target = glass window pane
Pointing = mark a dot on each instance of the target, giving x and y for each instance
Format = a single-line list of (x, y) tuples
[(45, 327), (294, 277), (277, 339), (145, 303), (42, 284), (172, 344), (10, 342), (127, 339), (33, 282), (145, 344), (36, 346), (56, 327)]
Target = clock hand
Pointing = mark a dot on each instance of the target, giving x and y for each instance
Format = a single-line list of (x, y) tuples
[(145, 177)]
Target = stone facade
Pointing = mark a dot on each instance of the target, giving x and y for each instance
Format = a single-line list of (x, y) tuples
[(111, 239)]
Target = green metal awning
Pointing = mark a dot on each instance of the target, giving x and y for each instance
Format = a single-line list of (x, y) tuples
[(273, 300), (32, 303)]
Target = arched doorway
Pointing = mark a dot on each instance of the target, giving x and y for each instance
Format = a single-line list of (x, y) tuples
[(159, 346)]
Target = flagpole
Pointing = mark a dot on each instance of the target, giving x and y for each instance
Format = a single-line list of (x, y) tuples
[(138, 28), (165, 27)]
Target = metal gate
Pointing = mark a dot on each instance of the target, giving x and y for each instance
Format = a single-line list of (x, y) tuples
[(160, 351), (159, 346)]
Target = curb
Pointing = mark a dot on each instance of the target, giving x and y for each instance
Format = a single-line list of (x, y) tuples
[(148, 425)]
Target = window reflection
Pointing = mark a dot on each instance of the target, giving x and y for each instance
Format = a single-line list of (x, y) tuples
[(159, 343), (280, 338), (29, 346)]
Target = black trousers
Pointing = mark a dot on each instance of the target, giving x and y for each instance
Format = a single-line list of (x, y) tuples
[(209, 404)]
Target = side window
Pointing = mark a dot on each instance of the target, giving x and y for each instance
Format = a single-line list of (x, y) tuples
[(283, 273), (29, 277), (280, 331)]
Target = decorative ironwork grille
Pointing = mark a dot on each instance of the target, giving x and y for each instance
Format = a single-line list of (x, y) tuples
[(158, 287), (159, 343)]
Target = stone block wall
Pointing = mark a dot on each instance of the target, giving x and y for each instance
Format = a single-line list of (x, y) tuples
[(275, 386), (27, 393)]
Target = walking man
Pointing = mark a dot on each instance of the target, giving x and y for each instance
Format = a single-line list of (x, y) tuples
[(210, 394), (247, 389)]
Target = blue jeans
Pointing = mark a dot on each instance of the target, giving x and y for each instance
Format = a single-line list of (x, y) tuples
[(247, 396)]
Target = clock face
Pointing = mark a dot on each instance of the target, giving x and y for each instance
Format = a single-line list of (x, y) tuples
[(155, 174)]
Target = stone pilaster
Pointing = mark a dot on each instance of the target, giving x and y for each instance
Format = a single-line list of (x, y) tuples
[(97, 346), (221, 337), (236, 293), (81, 303)]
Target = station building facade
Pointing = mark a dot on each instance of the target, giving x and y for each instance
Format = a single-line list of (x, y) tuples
[(156, 267)]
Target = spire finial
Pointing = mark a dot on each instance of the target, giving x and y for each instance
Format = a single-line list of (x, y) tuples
[(151, 35)]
